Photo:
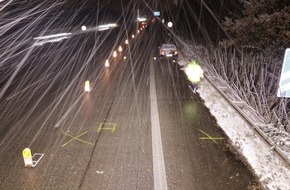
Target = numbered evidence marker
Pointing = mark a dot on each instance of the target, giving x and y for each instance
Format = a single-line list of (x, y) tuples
[(28, 158), (284, 83)]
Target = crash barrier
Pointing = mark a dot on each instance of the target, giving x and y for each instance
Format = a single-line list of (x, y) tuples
[(240, 107)]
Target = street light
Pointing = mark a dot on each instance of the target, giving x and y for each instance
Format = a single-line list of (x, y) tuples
[(169, 24)]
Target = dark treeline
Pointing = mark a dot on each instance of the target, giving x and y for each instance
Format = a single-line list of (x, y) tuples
[(244, 42), (263, 25)]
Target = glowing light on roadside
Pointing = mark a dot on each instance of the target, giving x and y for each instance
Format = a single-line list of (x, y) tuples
[(133, 36), (154, 58), (125, 57), (169, 24), (84, 28), (120, 49), (127, 42), (107, 64), (87, 86), (138, 31), (115, 54)]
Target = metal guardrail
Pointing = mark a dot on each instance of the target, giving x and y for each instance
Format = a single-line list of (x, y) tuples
[(272, 145)]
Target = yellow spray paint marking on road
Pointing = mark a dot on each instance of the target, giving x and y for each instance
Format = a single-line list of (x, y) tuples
[(107, 126), (208, 137), (75, 138)]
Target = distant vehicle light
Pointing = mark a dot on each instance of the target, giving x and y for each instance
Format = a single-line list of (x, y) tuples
[(120, 49), (142, 19), (169, 51)]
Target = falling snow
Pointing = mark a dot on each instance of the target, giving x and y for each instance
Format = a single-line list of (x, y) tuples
[(32, 67), (272, 170)]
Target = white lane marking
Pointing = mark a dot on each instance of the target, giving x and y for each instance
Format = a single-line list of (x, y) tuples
[(160, 182)]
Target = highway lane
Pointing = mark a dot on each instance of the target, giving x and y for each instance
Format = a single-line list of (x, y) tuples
[(197, 153), (102, 139)]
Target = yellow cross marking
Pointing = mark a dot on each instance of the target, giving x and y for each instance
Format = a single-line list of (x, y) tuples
[(75, 138), (209, 137), (111, 126)]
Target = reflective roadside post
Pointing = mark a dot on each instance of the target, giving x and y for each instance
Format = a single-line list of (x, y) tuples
[(120, 49), (87, 86), (107, 64), (115, 54)]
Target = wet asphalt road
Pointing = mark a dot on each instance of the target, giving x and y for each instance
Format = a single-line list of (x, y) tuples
[(103, 139)]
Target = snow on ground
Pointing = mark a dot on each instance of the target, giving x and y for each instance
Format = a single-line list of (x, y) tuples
[(273, 172), (268, 166)]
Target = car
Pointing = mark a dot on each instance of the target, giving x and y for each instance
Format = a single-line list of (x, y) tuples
[(168, 51)]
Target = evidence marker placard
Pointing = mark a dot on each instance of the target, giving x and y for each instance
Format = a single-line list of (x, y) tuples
[(284, 82), (29, 160)]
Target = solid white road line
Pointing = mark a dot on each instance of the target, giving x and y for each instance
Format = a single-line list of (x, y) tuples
[(160, 182)]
